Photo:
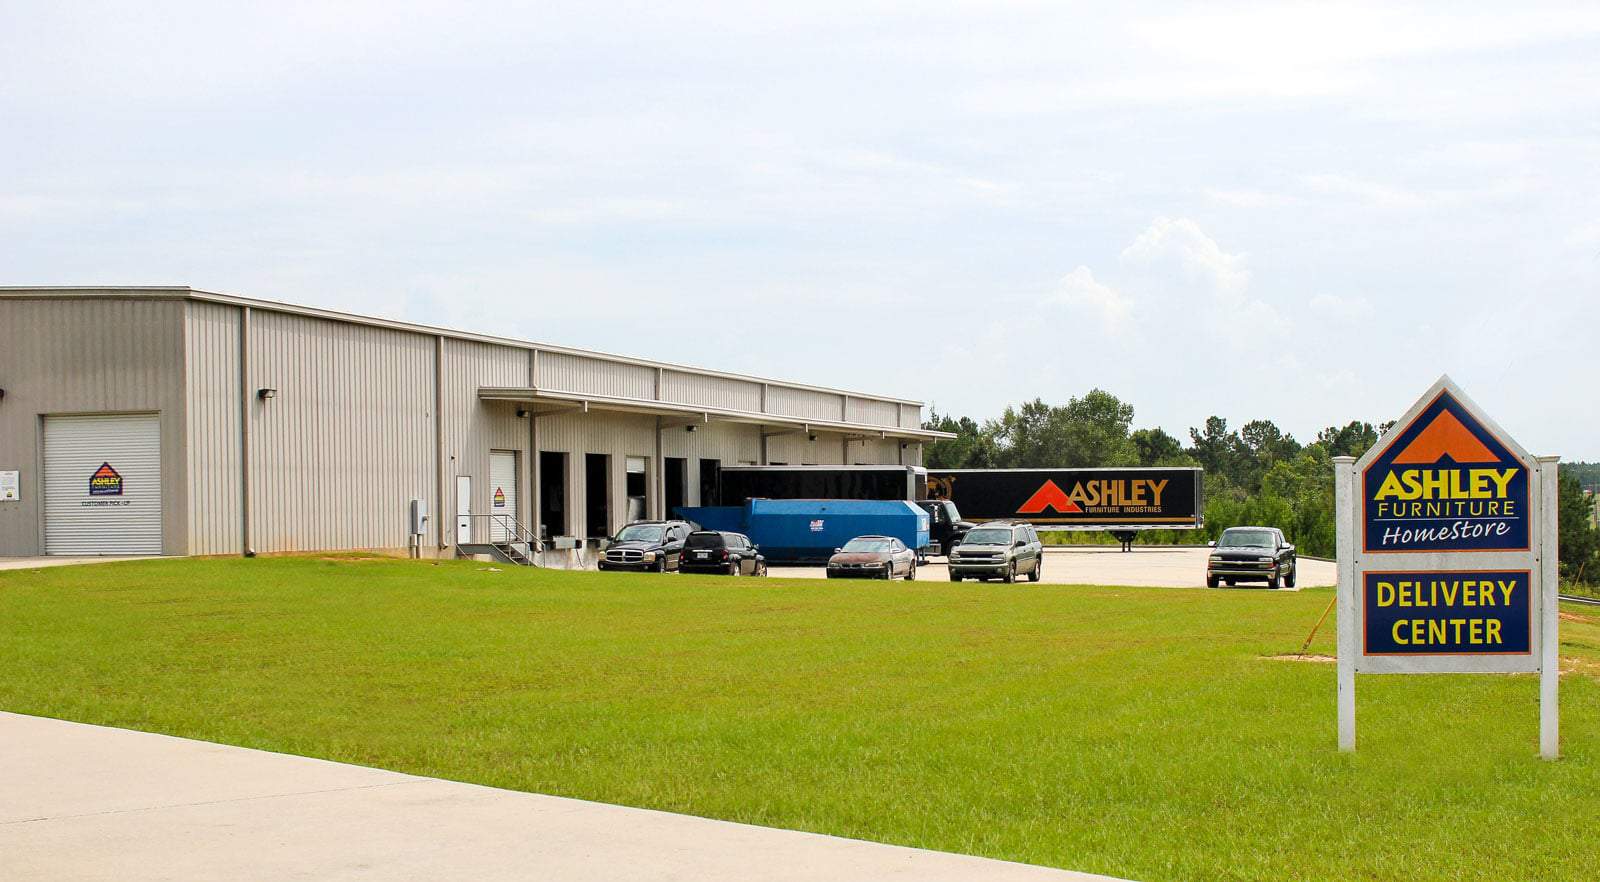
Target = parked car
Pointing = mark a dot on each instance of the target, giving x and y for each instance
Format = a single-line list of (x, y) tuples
[(647, 546), (998, 550), (873, 557), (945, 526), (710, 551), (1252, 554)]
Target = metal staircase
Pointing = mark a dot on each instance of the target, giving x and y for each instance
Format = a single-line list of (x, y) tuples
[(517, 544)]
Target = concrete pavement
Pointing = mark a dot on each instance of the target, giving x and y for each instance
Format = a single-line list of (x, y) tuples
[(36, 563), (1154, 566), (83, 802)]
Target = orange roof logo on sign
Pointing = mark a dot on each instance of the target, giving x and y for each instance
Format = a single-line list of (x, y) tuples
[(1050, 496), (1445, 436), (105, 481)]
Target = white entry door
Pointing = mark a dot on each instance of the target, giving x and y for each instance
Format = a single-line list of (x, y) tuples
[(502, 495), (463, 509), (102, 484)]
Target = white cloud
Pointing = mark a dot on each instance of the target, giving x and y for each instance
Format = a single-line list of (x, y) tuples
[(1078, 289), (1181, 242)]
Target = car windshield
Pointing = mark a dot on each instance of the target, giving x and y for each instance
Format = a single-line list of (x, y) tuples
[(1248, 539), (704, 540), (866, 545), (953, 513), (990, 536), (641, 533)]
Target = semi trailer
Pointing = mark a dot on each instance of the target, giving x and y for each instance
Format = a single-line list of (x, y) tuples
[(1121, 501)]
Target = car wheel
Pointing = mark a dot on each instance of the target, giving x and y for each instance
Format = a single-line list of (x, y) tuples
[(661, 565), (761, 568), (1011, 574), (1288, 581), (888, 571), (1272, 582), (1212, 581), (911, 574), (956, 578), (733, 568), (1232, 583), (1037, 572)]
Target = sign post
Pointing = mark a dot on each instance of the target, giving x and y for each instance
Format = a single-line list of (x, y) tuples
[(1447, 556)]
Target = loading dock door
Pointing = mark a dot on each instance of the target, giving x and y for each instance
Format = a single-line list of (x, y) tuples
[(502, 495), (102, 485)]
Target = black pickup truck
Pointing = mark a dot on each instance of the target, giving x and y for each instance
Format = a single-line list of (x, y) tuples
[(1251, 554), (945, 526)]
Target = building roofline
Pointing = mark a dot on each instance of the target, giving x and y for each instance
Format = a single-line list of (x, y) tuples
[(184, 292)]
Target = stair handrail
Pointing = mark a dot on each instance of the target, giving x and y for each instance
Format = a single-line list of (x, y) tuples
[(512, 526)]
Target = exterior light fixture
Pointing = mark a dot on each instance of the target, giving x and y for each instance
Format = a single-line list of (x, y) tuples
[(264, 394)]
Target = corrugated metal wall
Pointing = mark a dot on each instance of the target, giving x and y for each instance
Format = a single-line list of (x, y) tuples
[(211, 346), (798, 449), (804, 403), (619, 435), (348, 441), (724, 392), (575, 373), (62, 356), (873, 412), (472, 427)]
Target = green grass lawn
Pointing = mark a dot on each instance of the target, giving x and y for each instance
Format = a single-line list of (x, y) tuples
[(1136, 732)]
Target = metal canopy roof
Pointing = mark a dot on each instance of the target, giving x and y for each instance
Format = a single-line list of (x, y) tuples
[(542, 401)]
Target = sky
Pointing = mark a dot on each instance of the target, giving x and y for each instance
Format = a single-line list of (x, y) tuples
[(1294, 212)]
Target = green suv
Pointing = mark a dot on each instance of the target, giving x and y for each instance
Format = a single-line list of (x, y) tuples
[(998, 550)]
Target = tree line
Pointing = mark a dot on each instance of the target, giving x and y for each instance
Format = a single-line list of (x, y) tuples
[(1255, 474)]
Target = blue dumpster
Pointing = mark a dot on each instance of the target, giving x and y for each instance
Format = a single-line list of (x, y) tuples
[(808, 530)]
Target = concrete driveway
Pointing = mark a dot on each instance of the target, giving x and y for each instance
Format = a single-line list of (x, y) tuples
[(36, 563), (1149, 566), (83, 803)]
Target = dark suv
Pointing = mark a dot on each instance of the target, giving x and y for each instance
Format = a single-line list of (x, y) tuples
[(1251, 554), (998, 550), (707, 551), (647, 546)]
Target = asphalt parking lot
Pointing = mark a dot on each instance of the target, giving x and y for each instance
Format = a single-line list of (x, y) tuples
[(1150, 566)]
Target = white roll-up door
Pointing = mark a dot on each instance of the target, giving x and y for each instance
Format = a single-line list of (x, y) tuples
[(502, 495), (102, 485)]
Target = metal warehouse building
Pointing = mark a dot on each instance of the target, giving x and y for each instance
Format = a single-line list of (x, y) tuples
[(176, 421)]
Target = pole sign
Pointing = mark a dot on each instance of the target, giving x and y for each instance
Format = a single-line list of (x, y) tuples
[(1447, 554)]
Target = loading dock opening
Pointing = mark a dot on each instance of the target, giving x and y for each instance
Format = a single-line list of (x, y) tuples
[(597, 495), (710, 480), (677, 485), (553, 495)]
